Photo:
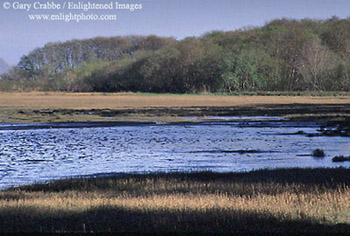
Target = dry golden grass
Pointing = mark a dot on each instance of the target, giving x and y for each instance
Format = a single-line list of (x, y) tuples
[(331, 207), (44, 107), (42, 100), (265, 201)]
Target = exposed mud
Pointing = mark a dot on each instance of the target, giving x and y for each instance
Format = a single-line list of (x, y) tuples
[(297, 112)]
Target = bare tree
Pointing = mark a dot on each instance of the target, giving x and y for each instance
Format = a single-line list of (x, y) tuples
[(316, 64)]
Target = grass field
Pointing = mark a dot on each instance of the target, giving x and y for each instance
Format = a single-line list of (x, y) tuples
[(294, 200), (71, 107), (41, 100)]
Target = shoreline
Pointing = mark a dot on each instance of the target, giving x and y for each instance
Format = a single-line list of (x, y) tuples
[(281, 175)]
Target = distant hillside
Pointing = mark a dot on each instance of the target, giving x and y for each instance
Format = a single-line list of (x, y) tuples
[(4, 67), (283, 55)]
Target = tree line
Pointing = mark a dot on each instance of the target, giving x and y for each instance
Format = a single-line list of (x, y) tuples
[(283, 55)]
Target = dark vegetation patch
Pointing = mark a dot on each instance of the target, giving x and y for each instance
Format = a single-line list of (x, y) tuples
[(331, 178), (161, 221), (318, 153), (341, 158), (337, 128)]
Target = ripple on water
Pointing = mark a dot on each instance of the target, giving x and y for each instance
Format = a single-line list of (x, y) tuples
[(31, 153)]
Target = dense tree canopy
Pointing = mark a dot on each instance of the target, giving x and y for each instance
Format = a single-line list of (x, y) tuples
[(283, 55)]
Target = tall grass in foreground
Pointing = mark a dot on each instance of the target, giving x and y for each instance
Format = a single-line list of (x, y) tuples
[(295, 200)]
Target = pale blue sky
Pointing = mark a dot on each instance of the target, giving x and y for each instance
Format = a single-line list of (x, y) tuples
[(177, 18)]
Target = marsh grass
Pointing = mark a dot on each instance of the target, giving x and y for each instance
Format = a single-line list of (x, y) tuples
[(295, 200)]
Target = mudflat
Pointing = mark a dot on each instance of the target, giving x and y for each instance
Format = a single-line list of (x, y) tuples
[(43, 107)]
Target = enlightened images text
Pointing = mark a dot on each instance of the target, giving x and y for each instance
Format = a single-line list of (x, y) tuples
[(85, 6), (98, 6)]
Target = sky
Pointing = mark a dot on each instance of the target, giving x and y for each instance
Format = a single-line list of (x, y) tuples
[(176, 18)]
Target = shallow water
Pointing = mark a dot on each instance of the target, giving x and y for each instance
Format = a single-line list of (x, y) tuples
[(37, 153)]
